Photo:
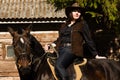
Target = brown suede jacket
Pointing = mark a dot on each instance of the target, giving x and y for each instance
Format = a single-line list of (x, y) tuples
[(80, 34)]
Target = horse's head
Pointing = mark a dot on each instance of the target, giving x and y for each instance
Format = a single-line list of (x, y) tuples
[(22, 49)]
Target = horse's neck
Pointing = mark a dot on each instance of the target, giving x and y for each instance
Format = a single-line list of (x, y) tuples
[(36, 46)]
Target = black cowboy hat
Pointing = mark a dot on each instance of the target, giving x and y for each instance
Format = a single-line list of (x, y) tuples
[(74, 6)]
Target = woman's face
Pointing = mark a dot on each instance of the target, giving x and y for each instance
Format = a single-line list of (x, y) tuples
[(76, 14)]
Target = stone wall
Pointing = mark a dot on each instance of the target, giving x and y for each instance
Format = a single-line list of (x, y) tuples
[(8, 70)]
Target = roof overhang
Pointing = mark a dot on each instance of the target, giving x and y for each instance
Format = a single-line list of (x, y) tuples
[(31, 20)]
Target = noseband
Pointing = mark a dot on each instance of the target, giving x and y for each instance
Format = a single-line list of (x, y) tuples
[(18, 58)]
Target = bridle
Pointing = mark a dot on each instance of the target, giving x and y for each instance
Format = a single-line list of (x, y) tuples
[(29, 55), (17, 59), (23, 54)]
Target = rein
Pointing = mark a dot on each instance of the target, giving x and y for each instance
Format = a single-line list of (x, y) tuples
[(39, 59), (54, 50)]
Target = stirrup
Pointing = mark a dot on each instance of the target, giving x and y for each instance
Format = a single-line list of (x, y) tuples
[(78, 70)]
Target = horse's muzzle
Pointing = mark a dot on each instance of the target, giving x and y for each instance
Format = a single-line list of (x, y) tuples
[(25, 71)]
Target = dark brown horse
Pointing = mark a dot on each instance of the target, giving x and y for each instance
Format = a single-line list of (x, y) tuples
[(30, 56)]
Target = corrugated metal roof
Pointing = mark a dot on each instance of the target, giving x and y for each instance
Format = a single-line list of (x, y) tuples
[(11, 9)]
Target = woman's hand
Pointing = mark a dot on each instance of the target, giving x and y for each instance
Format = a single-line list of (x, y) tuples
[(100, 57), (50, 47), (47, 47)]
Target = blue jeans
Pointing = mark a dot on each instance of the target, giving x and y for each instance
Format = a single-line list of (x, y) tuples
[(66, 57)]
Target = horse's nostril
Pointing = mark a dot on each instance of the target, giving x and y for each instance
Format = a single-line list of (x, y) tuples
[(19, 66)]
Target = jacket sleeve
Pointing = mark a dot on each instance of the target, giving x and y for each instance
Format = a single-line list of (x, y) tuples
[(88, 39), (59, 34)]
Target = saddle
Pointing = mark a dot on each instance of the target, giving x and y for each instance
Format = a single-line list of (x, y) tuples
[(51, 59)]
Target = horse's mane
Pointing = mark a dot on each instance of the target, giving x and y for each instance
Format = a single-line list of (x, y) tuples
[(36, 47)]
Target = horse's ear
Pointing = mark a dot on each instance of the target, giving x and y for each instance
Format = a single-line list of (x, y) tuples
[(11, 31), (28, 29)]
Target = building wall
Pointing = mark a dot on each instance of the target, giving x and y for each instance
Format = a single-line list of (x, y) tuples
[(8, 70)]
